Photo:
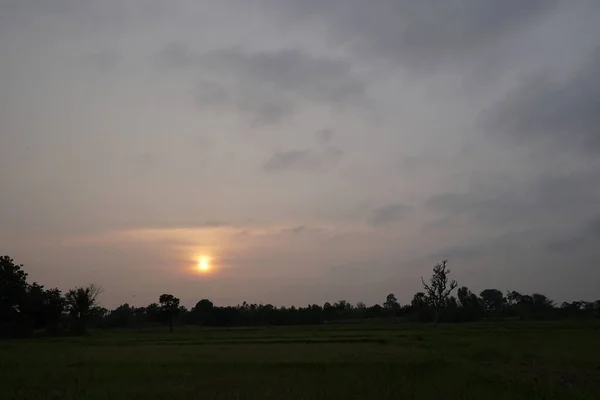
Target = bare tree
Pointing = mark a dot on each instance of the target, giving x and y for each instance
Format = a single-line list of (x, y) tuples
[(80, 304), (438, 289)]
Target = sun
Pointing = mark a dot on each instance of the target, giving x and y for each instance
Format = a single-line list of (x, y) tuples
[(203, 264)]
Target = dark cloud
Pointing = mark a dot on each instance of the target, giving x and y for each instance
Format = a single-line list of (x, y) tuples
[(543, 108), (177, 55), (420, 34), (301, 229), (19, 8), (333, 153), (302, 160), (497, 246), (88, 15), (24, 13), (388, 214), (104, 60), (289, 70), (262, 108), (542, 199), (265, 109), (298, 229), (480, 206), (292, 160), (588, 234), (324, 135), (267, 85), (212, 95)]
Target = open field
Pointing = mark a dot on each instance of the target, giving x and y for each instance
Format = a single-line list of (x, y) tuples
[(482, 361)]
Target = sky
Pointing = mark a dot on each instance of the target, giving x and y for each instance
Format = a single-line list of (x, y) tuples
[(312, 150)]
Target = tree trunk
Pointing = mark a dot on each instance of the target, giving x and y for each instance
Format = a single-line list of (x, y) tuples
[(171, 324)]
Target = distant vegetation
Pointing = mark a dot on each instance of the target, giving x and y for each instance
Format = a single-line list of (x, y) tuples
[(28, 307)]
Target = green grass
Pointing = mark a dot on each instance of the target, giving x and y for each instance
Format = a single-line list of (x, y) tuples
[(481, 361)]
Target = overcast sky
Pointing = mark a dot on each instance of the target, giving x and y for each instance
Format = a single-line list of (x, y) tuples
[(315, 150)]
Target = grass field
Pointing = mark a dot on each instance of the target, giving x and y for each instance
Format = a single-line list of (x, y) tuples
[(483, 361)]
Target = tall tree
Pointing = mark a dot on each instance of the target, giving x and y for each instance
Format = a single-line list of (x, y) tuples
[(420, 307), (13, 294), (520, 304), (154, 313), (391, 302), (438, 289), (81, 303), (541, 304), (32, 308), (202, 312), (121, 317), (470, 304), (169, 305), (493, 301), (54, 306)]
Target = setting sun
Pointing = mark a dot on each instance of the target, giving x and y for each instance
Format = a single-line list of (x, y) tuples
[(203, 264)]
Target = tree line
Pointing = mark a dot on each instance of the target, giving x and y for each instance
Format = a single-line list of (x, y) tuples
[(27, 308)]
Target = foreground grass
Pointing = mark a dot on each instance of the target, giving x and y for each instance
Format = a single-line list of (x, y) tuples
[(487, 361)]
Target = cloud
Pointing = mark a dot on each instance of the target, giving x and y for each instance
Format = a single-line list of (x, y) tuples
[(548, 219), (86, 15), (421, 35), (292, 159), (298, 229), (141, 183), (493, 245), (36, 7), (302, 160), (302, 229), (263, 108), (539, 200), (324, 135), (388, 214), (103, 60), (485, 207), (266, 85), (564, 113), (587, 235)]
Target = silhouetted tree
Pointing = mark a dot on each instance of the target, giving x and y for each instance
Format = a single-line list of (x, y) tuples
[(470, 305), (121, 317), (54, 307), (154, 313), (81, 303), (32, 307), (13, 293), (391, 303), (438, 289), (374, 311), (25, 307), (493, 302), (451, 310), (420, 309), (202, 312), (543, 307), (536, 306), (169, 305), (329, 312), (360, 310), (521, 305)]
